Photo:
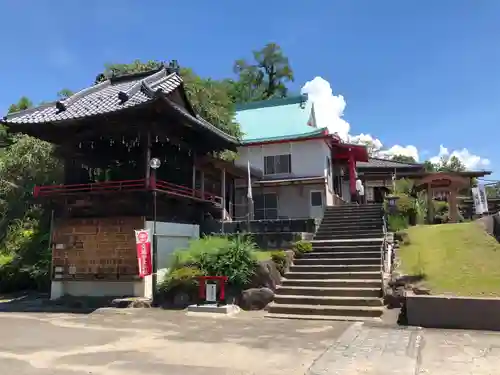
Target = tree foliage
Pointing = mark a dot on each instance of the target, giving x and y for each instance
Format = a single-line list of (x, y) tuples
[(263, 78), (446, 164), (404, 159)]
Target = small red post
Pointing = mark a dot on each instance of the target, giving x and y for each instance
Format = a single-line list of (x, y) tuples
[(220, 280), (36, 191)]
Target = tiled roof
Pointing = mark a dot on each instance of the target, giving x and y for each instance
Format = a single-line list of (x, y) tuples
[(385, 163), (112, 95)]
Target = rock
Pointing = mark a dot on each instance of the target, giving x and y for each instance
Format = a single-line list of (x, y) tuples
[(394, 298), (256, 298), (266, 275), (289, 260), (134, 302), (421, 291), (181, 299)]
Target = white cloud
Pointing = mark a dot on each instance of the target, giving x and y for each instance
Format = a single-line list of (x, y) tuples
[(329, 110), (409, 150), (470, 161)]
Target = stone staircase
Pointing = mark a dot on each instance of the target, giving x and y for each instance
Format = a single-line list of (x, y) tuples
[(341, 278)]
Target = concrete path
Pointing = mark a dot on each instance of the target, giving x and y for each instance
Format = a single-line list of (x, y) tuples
[(154, 342), (133, 342), (364, 349)]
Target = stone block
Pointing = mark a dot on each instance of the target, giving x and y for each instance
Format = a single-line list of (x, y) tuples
[(213, 309)]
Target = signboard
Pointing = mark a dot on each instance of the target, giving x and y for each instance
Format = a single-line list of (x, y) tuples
[(211, 292), (478, 201), (143, 246), (483, 197)]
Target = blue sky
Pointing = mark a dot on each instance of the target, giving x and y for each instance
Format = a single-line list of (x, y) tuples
[(420, 73)]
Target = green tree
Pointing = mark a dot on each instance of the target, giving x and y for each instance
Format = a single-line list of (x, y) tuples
[(264, 78), (404, 159), (64, 93), (446, 164), (21, 105), (429, 166), (493, 190), (451, 164)]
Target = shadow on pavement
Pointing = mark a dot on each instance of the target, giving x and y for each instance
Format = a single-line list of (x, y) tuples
[(40, 303)]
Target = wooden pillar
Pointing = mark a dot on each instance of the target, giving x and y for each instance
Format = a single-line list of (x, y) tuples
[(430, 204), (202, 176), (352, 173), (147, 155), (193, 183), (452, 204), (223, 192)]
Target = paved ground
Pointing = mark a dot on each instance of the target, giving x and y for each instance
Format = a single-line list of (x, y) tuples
[(133, 342)]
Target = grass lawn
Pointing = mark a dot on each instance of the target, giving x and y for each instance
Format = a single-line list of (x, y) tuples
[(262, 254), (458, 259)]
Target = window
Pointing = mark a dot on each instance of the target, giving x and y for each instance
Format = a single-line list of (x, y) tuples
[(316, 199), (265, 206), (278, 164)]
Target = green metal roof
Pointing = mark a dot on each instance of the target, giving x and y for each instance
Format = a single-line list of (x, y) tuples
[(316, 132), (275, 119)]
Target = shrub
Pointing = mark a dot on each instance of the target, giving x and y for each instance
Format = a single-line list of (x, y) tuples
[(184, 278), (196, 250), (397, 222), (236, 261), (302, 247), (279, 258)]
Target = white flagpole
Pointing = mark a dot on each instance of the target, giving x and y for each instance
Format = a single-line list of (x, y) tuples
[(249, 197)]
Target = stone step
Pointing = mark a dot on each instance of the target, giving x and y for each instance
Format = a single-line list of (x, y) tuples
[(354, 208), (353, 232), (340, 225), (333, 283), (348, 222), (324, 310), (335, 268), (351, 253), (349, 235), (333, 218), (330, 291), (336, 261), (348, 242), (324, 318), (328, 300), (365, 275)]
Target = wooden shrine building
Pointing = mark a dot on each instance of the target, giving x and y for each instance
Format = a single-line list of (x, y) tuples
[(106, 136)]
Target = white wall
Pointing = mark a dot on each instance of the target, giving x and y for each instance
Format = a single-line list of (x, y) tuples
[(293, 200), (308, 157), (171, 237)]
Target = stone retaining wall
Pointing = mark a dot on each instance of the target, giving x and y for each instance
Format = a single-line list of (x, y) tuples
[(453, 312)]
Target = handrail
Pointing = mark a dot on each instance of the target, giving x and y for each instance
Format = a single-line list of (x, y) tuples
[(129, 186)]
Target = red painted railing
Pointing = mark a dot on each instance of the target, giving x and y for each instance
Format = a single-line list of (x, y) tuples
[(128, 186)]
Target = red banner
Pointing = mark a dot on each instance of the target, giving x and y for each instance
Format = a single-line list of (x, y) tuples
[(143, 246)]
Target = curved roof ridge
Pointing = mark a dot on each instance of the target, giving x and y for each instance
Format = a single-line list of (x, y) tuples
[(296, 99)]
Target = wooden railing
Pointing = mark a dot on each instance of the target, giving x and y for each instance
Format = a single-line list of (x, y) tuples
[(126, 186)]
